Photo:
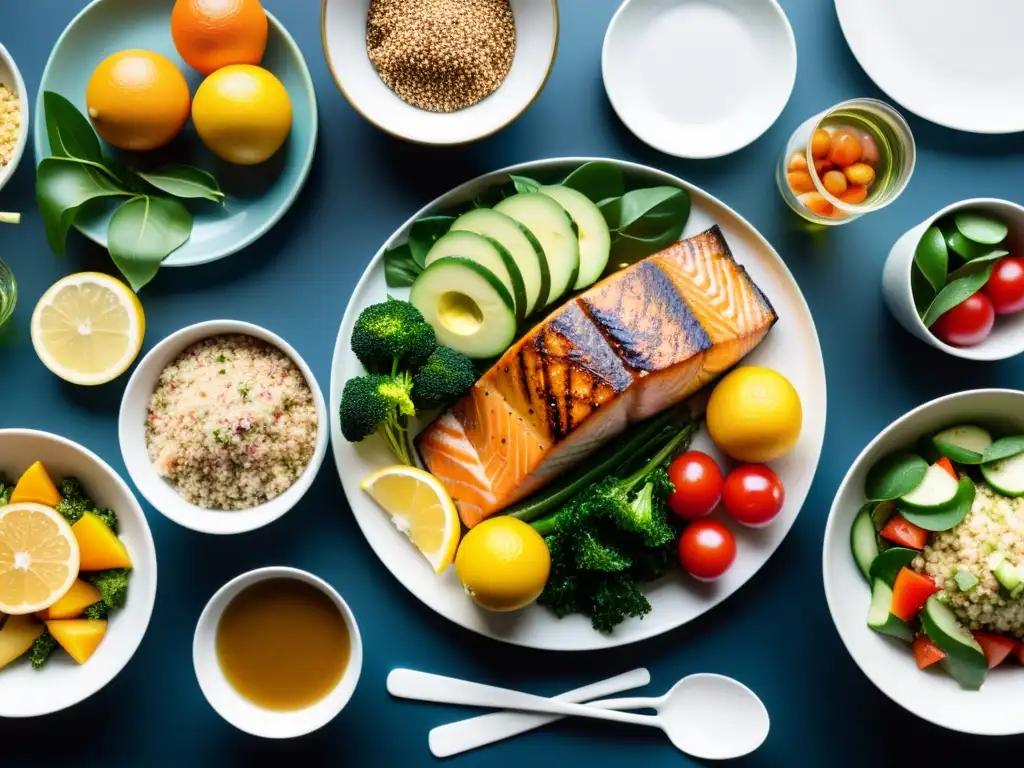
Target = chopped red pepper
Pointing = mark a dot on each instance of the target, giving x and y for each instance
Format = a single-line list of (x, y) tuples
[(947, 465), (996, 647), (910, 592), (901, 531), (926, 652)]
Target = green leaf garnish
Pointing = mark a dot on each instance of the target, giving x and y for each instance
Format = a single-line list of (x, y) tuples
[(894, 476), (598, 180), (424, 233), (63, 186), (980, 227), (69, 132), (932, 257), (956, 292), (143, 232), (184, 181), (1004, 448)]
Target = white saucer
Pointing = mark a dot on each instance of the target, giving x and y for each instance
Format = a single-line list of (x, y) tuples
[(699, 78)]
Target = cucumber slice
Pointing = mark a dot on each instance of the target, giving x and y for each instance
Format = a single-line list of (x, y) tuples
[(881, 513), (863, 542), (964, 443), (552, 227), (965, 661), (1006, 475), (592, 232), (885, 567), (468, 306), (945, 517), (487, 252), (936, 490), (879, 617), (1007, 575), (965, 580)]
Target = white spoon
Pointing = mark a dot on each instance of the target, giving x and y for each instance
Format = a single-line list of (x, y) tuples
[(706, 716)]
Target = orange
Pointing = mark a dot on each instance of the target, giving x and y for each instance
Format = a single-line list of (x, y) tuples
[(210, 34), (137, 100)]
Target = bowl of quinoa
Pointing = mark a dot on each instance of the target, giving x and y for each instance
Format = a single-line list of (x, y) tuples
[(223, 427), (13, 116), (994, 524)]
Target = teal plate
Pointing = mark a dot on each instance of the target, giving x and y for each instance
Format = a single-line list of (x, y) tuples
[(257, 196)]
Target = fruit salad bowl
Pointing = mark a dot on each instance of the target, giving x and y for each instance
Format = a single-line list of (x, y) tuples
[(63, 682)]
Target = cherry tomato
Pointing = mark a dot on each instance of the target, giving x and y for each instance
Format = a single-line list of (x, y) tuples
[(698, 483), (968, 323), (753, 495), (706, 549), (1006, 286)]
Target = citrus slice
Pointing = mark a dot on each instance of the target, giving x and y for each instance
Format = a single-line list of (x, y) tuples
[(38, 558), (420, 508), (88, 328)]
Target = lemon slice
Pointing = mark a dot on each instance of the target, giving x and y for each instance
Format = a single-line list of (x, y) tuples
[(88, 328), (420, 508), (38, 558)]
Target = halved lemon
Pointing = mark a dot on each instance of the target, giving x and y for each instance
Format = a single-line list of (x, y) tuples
[(38, 558), (420, 508), (88, 328)]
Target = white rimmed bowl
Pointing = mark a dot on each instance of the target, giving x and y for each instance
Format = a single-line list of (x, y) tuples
[(160, 493), (63, 683), (707, 109), (1007, 337), (11, 77), (889, 664), (241, 712), (343, 30)]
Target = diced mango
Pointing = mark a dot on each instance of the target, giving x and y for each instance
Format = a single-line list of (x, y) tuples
[(81, 595), (35, 486), (99, 547), (79, 637), (17, 636)]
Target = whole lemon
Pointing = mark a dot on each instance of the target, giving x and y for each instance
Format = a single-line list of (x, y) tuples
[(242, 113), (754, 414), (503, 564), (137, 100)]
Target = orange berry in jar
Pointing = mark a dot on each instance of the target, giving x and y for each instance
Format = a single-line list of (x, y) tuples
[(816, 203), (821, 142), (800, 182), (821, 167), (834, 183), (797, 162), (860, 173), (855, 194), (846, 149), (870, 149)]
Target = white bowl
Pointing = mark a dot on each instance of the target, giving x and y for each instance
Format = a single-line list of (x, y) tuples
[(1007, 337), (11, 77), (241, 712), (160, 493), (343, 29), (62, 682), (889, 663), (699, 78)]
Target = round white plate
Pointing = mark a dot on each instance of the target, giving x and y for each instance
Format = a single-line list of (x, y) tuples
[(699, 78), (930, 694), (953, 63), (791, 347)]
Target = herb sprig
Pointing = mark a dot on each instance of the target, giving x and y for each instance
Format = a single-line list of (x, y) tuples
[(147, 227)]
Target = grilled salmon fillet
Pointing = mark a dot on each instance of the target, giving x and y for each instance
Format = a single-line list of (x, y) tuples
[(641, 340)]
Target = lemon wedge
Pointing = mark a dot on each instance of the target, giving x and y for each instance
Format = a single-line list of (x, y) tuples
[(420, 508), (88, 328), (38, 558)]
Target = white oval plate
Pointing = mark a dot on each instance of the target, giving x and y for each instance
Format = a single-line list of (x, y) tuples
[(792, 348), (889, 664), (699, 78), (953, 63)]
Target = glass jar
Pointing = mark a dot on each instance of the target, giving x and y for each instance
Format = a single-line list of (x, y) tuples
[(849, 160), (8, 292)]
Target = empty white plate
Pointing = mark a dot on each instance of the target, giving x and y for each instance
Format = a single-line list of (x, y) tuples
[(699, 78), (954, 63)]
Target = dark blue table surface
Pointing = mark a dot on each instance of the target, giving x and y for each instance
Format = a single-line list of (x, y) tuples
[(775, 634)]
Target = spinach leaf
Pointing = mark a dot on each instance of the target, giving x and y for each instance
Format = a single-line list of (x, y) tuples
[(524, 183), (932, 257), (63, 186), (894, 476), (184, 181), (143, 232), (424, 233), (645, 221), (597, 180), (976, 264), (1004, 448), (400, 268), (70, 134), (921, 290), (956, 292)]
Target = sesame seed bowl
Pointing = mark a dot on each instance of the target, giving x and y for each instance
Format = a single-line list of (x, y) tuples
[(11, 80), (223, 427), (486, 62)]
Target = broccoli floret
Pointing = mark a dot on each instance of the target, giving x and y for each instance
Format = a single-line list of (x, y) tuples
[(446, 375), (6, 489), (73, 501), (70, 488), (112, 584), (614, 600), (96, 611), (42, 649), (392, 334), (592, 555), (378, 404), (109, 517)]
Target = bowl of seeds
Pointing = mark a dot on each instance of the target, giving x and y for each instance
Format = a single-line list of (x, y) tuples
[(13, 118), (440, 72)]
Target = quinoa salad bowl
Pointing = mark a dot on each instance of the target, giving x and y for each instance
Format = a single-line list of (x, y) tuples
[(923, 561), (223, 427)]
